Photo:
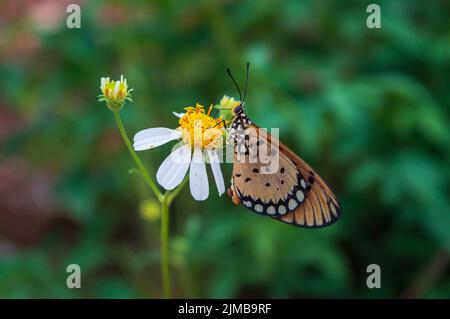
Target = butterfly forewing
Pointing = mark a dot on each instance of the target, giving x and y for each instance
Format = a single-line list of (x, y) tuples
[(268, 178)]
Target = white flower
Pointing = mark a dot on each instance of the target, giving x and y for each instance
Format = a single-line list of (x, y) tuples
[(201, 137)]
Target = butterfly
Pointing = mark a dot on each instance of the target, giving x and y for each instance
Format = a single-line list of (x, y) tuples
[(270, 179)]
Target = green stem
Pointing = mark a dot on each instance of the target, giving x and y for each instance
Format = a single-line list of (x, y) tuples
[(165, 271), (136, 159), (165, 201)]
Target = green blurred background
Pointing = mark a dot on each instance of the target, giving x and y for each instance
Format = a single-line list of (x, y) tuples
[(368, 108)]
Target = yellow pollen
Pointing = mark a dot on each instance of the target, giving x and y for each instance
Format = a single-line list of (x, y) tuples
[(200, 129)]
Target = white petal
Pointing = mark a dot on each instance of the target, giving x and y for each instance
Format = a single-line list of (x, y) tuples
[(178, 114), (154, 137), (116, 89), (172, 171), (215, 167), (102, 83), (198, 180)]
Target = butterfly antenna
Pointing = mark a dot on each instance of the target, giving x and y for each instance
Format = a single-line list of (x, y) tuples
[(235, 83), (246, 81)]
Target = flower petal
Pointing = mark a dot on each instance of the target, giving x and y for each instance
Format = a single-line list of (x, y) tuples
[(153, 137), (215, 167), (179, 115), (172, 171), (116, 88), (198, 180)]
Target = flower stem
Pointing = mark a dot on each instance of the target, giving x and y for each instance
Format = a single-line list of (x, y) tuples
[(165, 271), (165, 201), (136, 159)]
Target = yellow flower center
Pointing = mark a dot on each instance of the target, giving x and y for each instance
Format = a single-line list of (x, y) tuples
[(200, 129), (110, 90)]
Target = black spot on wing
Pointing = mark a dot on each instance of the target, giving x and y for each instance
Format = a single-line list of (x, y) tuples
[(250, 202)]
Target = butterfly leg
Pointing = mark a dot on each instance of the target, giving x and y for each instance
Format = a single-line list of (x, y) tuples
[(223, 122)]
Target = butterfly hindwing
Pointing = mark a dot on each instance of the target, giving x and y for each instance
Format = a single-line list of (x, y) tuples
[(268, 178)]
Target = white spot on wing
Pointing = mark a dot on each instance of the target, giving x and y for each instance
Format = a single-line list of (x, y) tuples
[(302, 182), (292, 204), (300, 195)]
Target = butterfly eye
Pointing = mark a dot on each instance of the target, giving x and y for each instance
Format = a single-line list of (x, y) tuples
[(238, 109)]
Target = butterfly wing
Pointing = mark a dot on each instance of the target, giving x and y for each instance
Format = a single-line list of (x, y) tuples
[(268, 178)]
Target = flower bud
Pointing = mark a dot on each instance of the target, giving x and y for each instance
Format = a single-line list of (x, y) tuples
[(114, 93)]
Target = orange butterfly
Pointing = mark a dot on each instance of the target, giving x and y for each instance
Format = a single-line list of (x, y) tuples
[(268, 178)]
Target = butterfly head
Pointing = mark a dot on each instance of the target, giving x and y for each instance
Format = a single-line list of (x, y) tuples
[(238, 109)]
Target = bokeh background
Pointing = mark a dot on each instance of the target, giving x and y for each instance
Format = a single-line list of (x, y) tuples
[(368, 108)]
